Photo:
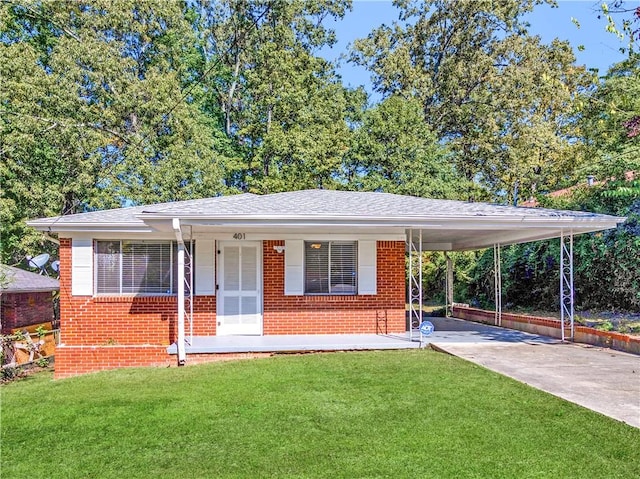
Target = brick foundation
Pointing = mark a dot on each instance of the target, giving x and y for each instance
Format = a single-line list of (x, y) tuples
[(99, 333)]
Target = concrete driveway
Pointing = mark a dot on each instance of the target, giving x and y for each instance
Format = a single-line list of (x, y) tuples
[(603, 380)]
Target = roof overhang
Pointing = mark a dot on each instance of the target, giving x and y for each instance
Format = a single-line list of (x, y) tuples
[(452, 233), (440, 233)]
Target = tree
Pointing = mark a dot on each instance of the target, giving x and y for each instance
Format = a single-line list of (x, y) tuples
[(612, 126), (282, 105), (394, 151), (501, 99), (623, 20), (94, 112)]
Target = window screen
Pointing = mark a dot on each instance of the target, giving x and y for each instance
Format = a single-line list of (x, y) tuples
[(330, 267)]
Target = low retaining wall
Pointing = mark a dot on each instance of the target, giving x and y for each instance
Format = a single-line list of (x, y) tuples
[(551, 327)]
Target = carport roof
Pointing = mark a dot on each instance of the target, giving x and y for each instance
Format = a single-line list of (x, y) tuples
[(446, 224)]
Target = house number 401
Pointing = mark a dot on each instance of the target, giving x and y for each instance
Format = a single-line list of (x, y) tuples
[(239, 236)]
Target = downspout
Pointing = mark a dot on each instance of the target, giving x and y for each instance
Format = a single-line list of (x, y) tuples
[(180, 343)]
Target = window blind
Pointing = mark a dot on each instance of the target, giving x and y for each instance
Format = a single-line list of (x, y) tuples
[(129, 267), (316, 270), (146, 268), (343, 266), (330, 267), (108, 267)]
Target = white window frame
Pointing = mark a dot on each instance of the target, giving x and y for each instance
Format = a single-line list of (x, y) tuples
[(120, 275), (354, 265)]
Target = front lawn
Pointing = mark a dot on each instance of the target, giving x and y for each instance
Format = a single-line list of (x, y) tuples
[(375, 414)]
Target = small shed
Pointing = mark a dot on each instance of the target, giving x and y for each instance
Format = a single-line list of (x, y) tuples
[(27, 298)]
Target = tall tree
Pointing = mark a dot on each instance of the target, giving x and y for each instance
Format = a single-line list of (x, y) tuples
[(394, 151), (282, 104), (500, 98), (95, 111), (611, 123)]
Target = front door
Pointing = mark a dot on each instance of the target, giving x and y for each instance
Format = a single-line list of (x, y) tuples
[(240, 288)]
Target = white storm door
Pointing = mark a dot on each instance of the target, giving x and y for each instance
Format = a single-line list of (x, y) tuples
[(240, 288)]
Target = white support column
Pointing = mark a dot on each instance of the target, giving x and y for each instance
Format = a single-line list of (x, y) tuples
[(497, 270), (449, 285), (181, 336), (566, 286)]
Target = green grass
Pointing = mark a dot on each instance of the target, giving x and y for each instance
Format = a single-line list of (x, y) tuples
[(376, 414)]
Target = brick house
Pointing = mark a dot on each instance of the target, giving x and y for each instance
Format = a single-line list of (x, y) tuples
[(27, 298), (139, 284)]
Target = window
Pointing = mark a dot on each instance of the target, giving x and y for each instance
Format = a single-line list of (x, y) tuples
[(330, 267), (135, 267)]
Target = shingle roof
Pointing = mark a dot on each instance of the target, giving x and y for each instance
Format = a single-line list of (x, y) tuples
[(16, 280), (454, 225), (345, 203), (311, 204)]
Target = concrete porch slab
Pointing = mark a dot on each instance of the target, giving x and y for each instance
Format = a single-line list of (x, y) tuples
[(295, 343)]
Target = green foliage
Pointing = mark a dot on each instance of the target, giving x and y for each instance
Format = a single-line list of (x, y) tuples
[(611, 125), (393, 150), (281, 104), (91, 112), (623, 20), (41, 331), (606, 275), (42, 362), (499, 98)]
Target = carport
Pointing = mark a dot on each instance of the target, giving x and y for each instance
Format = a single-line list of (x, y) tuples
[(493, 226)]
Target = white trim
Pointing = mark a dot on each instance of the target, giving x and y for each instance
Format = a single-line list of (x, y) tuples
[(452, 222), (205, 267), (82, 267), (367, 267), (294, 267), (307, 234), (122, 236)]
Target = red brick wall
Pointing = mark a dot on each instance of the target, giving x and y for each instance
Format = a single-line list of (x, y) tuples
[(24, 309), (109, 332), (336, 314), (109, 327)]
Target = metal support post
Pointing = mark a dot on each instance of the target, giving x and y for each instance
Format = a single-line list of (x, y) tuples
[(183, 282), (181, 310), (497, 270), (415, 281), (188, 283), (566, 285), (449, 285)]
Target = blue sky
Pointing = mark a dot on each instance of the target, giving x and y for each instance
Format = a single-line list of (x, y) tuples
[(601, 48)]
